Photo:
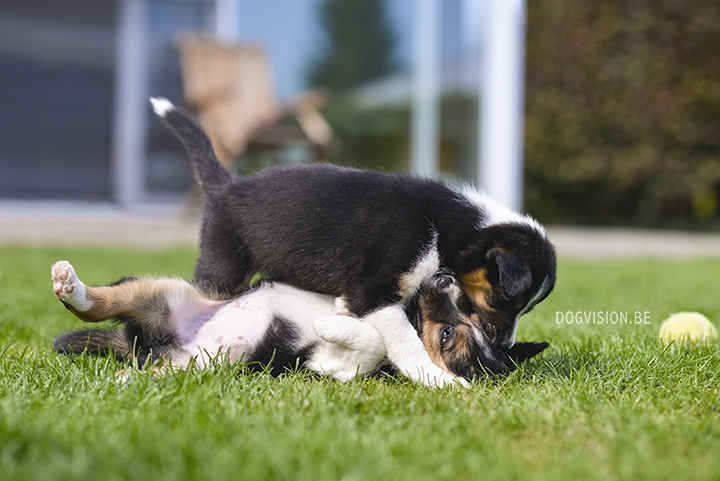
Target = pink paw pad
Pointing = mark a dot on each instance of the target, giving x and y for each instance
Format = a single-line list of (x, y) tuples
[(63, 277)]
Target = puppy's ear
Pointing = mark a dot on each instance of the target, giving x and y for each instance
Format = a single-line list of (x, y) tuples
[(515, 276), (523, 351)]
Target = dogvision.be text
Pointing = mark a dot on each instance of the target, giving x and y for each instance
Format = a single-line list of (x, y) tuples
[(602, 317)]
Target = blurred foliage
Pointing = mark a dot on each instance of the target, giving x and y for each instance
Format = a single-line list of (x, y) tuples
[(623, 111), (358, 48), (359, 44), (379, 138), (370, 138)]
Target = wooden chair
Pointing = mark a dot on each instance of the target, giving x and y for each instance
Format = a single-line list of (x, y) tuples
[(231, 86)]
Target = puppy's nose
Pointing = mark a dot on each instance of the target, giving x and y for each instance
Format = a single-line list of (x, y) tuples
[(443, 282)]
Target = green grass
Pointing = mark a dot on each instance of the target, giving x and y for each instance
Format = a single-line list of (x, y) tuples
[(606, 401)]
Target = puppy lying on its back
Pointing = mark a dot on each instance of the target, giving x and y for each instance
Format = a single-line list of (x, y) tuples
[(274, 324), (370, 237)]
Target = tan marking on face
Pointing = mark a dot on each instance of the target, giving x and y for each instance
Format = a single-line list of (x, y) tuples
[(430, 336), (476, 279), (455, 351), (433, 345), (457, 348), (477, 297), (477, 287), (474, 318)]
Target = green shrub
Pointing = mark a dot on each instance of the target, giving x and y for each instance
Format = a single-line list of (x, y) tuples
[(623, 111)]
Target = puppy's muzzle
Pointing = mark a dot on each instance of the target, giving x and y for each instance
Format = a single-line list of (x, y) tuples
[(448, 285)]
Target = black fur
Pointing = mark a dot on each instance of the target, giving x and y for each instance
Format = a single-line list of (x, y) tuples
[(303, 225), (147, 346), (199, 147), (96, 342), (523, 351), (278, 350), (351, 232), (129, 342)]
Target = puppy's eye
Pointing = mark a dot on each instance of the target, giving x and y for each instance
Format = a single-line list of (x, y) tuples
[(446, 334)]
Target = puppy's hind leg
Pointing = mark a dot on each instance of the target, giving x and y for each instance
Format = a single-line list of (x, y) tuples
[(152, 311), (68, 288), (223, 270), (149, 302)]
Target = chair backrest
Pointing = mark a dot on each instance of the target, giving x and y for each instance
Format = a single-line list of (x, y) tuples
[(231, 86)]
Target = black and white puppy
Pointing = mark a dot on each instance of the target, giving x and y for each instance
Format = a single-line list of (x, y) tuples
[(370, 237), (274, 326)]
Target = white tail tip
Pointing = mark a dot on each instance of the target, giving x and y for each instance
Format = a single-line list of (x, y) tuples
[(161, 106)]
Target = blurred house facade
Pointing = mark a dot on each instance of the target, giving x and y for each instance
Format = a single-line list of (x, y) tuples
[(75, 77), (74, 80)]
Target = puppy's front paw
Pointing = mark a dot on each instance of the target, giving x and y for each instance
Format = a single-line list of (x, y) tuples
[(67, 287), (351, 349), (445, 379)]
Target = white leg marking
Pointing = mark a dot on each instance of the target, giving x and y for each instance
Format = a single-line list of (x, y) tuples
[(405, 349), (68, 288), (353, 348)]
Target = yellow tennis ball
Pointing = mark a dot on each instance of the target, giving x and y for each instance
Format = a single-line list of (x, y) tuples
[(688, 327)]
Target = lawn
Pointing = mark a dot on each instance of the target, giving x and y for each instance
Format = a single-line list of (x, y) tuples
[(605, 401)]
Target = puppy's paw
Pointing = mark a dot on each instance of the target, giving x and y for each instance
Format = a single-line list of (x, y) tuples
[(345, 364), (64, 279), (67, 287), (434, 376), (444, 379), (349, 332), (351, 349)]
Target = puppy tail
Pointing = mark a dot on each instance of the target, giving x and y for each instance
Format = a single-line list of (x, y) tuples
[(97, 342), (208, 171)]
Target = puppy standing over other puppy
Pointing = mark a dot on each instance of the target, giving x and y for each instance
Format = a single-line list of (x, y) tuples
[(272, 325), (370, 237)]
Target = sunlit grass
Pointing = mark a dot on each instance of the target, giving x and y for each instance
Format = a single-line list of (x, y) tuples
[(605, 401)]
